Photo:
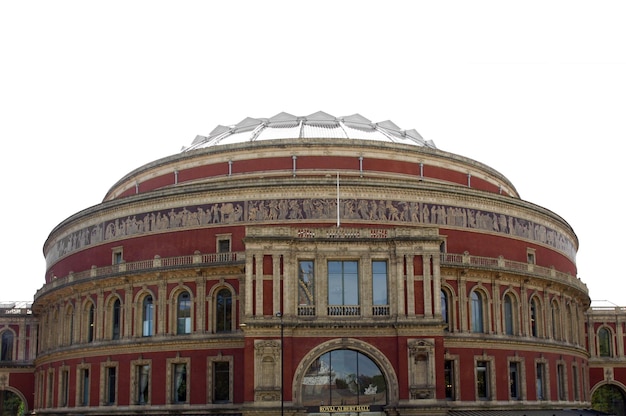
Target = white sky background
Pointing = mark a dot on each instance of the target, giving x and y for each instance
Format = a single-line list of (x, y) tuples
[(92, 90)]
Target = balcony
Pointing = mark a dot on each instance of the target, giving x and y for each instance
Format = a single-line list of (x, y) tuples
[(501, 264), (155, 264)]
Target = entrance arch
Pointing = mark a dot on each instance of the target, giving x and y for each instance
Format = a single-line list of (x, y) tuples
[(609, 398), (351, 385), (12, 402)]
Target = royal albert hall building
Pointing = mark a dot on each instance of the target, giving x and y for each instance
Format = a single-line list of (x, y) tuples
[(314, 265)]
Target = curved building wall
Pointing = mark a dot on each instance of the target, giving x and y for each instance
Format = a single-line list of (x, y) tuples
[(249, 278)]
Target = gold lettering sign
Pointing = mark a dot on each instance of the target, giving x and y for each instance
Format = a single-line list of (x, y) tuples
[(336, 409)]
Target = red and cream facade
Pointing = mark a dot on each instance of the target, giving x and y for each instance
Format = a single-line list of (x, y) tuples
[(312, 272)]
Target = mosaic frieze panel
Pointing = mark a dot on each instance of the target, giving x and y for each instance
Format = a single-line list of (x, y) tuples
[(248, 212)]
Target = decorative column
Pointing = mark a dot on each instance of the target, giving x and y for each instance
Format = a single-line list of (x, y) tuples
[(259, 285), (437, 285), (128, 310), (399, 272), (428, 292), (200, 302), (99, 318), (495, 296), (366, 287), (249, 292), (410, 285), (462, 302), (276, 284), (162, 302), (289, 279)]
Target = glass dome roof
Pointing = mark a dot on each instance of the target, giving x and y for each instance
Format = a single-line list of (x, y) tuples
[(314, 126)]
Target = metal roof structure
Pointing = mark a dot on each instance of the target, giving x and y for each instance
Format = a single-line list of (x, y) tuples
[(314, 126)]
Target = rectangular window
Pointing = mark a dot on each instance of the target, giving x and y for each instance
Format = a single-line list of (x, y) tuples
[(179, 383), (448, 377), (50, 388), (65, 390), (560, 380), (540, 375), (84, 387), (306, 287), (482, 380), (142, 386), (221, 382), (514, 381), (111, 385), (117, 254), (379, 287), (343, 288), (223, 246), (575, 383)]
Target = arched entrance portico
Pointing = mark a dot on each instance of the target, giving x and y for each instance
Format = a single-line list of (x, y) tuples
[(610, 398), (346, 376), (12, 402)]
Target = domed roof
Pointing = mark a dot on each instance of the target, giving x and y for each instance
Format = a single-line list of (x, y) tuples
[(314, 126)]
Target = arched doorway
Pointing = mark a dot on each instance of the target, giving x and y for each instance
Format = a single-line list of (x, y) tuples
[(345, 376), (609, 398), (11, 404)]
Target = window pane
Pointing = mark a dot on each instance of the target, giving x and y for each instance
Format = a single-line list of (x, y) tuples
[(221, 382), (223, 313), (477, 312), (7, 346), (482, 380), (379, 282), (508, 315), (343, 283), (184, 313), (111, 375), (344, 377), (514, 380), (148, 316), (306, 283), (444, 309), (179, 393), (449, 379), (143, 383), (351, 289), (116, 320), (335, 288)]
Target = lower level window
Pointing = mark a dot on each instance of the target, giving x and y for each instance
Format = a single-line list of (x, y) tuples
[(143, 384), (482, 380), (448, 379), (221, 382), (179, 383)]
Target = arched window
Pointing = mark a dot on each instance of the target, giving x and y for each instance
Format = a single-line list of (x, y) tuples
[(344, 378), (477, 312), (604, 342), (90, 322), (183, 313), (116, 319), (508, 314), (6, 354), (223, 311), (535, 318), (445, 309), (148, 316)]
